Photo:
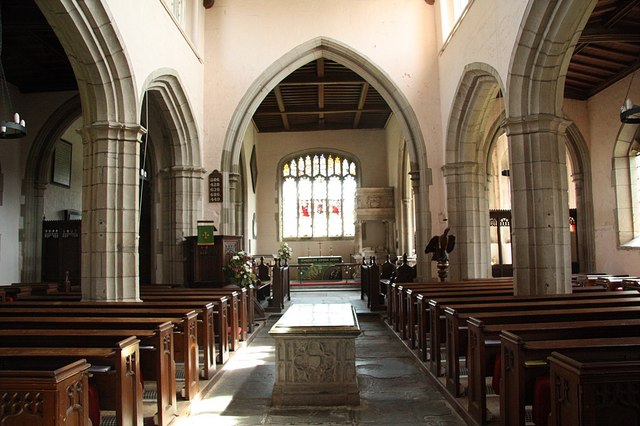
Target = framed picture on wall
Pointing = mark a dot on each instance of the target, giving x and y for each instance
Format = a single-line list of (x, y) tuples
[(61, 168), (254, 169)]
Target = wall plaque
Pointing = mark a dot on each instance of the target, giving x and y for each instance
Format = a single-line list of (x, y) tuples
[(215, 187)]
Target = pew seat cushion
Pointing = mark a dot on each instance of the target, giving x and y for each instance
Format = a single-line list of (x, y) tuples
[(497, 371), (94, 405), (541, 401)]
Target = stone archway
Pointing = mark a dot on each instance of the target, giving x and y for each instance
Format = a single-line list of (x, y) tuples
[(36, 179), (536, 129), (338, 52), (175, 155), (110, 116), (467, 149)]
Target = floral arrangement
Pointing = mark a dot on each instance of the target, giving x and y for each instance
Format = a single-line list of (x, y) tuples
[(239, 270), (285, 251)]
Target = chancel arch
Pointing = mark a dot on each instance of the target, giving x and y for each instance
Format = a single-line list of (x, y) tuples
[(323, 47)]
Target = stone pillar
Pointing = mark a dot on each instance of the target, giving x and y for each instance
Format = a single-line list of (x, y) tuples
[(110, 217), (419, 185), (184, 183), (31, 236), (407, 234), (540, 234), (586, 257), (234, 203), (468, 211)]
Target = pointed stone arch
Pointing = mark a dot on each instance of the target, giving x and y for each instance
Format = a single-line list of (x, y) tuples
[(536, 130), (107, 93), (470, 134), (323, 47), (36, 178), (175, 154)]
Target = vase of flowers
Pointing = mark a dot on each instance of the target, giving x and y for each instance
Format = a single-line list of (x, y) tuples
[(285, 251), (239, 270)]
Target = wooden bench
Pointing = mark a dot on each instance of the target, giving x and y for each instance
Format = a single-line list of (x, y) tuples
[(232, 327), (185, 338), (120, 387), (160, 342), (456, 322), (525, 359), (404, 303), (484, 346), (241, 299), (205, 311), (211, 322), (393, 298), (579, 379), (48, 392), (437, 318)]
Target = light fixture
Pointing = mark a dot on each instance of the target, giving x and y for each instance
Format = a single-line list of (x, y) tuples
[(11, 126), (630, 113)]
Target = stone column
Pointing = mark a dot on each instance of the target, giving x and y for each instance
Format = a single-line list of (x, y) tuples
[(185, 185), (586, 257), (31, 235), (468, 210), (110, 198), (419, 185), (233, 203), (540, 235), (407, 235)]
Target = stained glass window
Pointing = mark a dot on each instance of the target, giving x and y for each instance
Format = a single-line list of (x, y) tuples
[(318, 196)]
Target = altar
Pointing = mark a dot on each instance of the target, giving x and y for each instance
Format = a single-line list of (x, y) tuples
[(319, 268), (316, 356)]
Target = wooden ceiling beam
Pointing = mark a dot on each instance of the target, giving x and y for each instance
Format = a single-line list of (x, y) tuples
[(320, 75), (605, 35), (326, 111), (281, 107), (314, 81), (361, 102), (626, 7)]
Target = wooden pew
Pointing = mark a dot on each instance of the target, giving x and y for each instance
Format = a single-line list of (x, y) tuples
[(484, 344), (232, 311), (437, 317), (579, 378), (185, 338), (163, 368), (59, 387), (525, 359), (211, 321), (394, 302), (402, 301), (121, 389), (457, 315), (205, 311), (241, 299)]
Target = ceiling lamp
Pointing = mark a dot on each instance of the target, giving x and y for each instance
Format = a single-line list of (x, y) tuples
[(11, 126), (630, 113)]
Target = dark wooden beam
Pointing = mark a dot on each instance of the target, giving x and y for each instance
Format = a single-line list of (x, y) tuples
[(605, 35), (361, 102), (302, 111), (626, 8), (281, 107)]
